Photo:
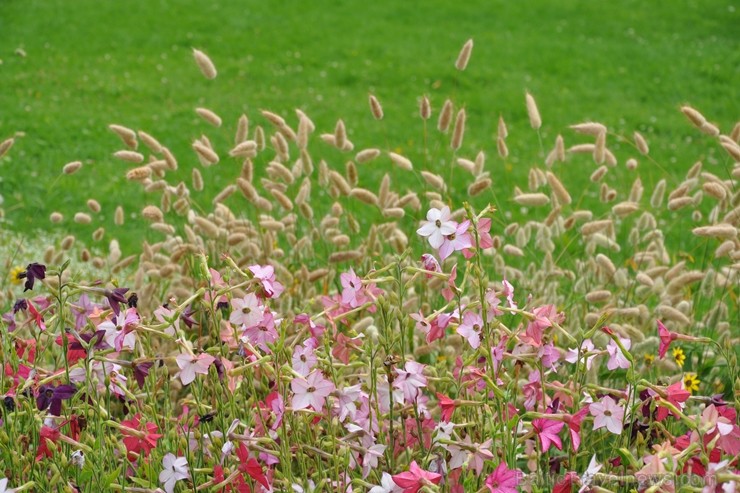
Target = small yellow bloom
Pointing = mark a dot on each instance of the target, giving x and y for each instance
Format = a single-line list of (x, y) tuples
[(691, 382), (649, 359), (679, 356), (14, 272)]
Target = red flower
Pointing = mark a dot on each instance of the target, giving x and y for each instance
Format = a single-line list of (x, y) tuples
[(249, 465), (447, 405), (47, 436), (136, 440)]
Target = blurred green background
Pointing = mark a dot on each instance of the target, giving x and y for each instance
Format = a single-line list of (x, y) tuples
[(70, 68)]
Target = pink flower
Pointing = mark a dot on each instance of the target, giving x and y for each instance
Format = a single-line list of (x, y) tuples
[(191, 365), (37, 316), (263, 333), (547, 431), (437, 226), (353, 294), (410, 380), (574, 426), (449, 292), (676, 394), (416, 478), (247, 311), (616, 357), (503, 480), (536, 328), (311, 391), (458, 240), (304, 358), (484, 237), (666, 337), (266, 275), (509, 293), (607, 413), (428, 262), (165, 315), (470, 328), (587, 347)]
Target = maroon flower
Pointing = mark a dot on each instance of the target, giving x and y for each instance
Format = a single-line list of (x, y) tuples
[(51, 397), (33, 271)]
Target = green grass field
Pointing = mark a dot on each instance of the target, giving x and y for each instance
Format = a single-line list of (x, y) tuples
[(89, 63)]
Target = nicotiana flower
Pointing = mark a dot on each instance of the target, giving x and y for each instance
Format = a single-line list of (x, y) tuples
[(4, 486), (503, 479), (50, 397), (470, 328), (386, 485), (460, 239), (174, 470), (247, 311), (266, 275), (190, 365), (588, 476), (437, 226), (607, 413), (617, 359), (415, 478), (547, 431), (33, 271), (410, 380), (137, 439), (311, 391)]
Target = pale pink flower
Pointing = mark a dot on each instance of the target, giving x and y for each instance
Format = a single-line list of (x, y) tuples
[(428, 262), (607, 413), (421, 324), (266, 275), (484, 237), (617, 359), (470, 328), (437, 226), (191, 365), (587, 354), (119, 332), (509, 293), (304, 359), (588, 476), (410, 380), (174, 470), (460, 239), (247, 311), (347, 401), (263, 333), (370, 459), (165, 315), (353, 293), (311, 391)]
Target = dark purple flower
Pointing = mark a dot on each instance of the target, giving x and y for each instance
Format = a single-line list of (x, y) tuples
[(51, 397), (9, 403), (141, 371), (33, 271), (19, 305), (115, 297), (187, 317)]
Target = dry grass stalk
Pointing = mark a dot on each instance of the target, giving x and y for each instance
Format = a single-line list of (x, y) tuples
[(589, 128), (206, 66), (206, 155), (723, 231), (459, 130), (445, 116), (365, 196), (558, 189), (129, 156), (425, 109), (93, 205), (375, 107), (400, 161), (118, 216), (82, 218), (152, 213), (534, 114), (598, 174), (139, 174), (479, 186), (72, 168), (464, 56), (127, 136), (209, 116), (532, 199), (641, 144), (6, 145)]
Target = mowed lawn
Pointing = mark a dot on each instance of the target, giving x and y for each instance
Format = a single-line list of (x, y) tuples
[(70, 68)]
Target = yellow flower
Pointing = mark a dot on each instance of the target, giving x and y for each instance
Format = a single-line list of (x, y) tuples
[(14, 279), (649, 359), (679, 356), (691, 382)]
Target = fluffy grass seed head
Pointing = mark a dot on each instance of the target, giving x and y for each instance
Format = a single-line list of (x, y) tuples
[(206, 66)]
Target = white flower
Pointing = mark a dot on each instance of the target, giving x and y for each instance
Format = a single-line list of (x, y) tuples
[(438, 226), (77, 458), (386, 485), (588, 475), (4, 486), (175, 469)]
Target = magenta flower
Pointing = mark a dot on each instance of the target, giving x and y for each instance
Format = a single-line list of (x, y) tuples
[(410, 380), (470, 328), (266, 275), (607, 413), (437, 226), (574, 426), (617, 358), (415, 478), (191, 365), (677, 395), (666, 337), (460, 239), (547, 431), (311, 391), (247, 311), (503, 480)]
